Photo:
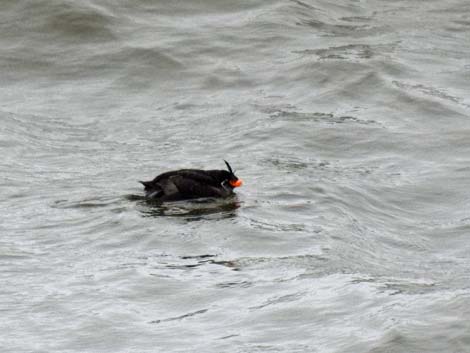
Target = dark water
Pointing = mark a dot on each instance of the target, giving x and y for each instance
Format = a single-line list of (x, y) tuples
[(348, 121)]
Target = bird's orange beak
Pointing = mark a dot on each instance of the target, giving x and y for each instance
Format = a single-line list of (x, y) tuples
[(236, 183)]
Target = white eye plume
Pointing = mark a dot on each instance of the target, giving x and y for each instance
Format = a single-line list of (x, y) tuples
[(225, 184)]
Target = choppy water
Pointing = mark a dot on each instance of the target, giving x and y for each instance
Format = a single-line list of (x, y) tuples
[(349, 122)]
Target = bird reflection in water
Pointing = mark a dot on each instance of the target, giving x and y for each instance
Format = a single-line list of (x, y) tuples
[(191, 210)]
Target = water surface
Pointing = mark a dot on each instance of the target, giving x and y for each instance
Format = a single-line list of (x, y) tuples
[(349, 123)]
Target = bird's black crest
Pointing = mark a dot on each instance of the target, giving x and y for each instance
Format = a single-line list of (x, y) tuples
[(228, 167)]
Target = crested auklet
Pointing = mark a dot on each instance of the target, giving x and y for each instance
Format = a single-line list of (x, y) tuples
[(185, 184)]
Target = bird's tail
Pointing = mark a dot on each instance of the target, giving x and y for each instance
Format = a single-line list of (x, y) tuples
[(147, 184)]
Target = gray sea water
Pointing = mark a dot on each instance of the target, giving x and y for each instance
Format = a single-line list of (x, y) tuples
[(349, 122)]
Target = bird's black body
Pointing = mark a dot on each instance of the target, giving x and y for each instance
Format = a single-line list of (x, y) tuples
[(185, 184)]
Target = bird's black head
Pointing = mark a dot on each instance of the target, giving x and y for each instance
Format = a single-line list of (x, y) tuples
[(228, 177)]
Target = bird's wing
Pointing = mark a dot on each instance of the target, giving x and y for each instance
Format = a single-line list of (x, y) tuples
[(192, 187), (168, 186)]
